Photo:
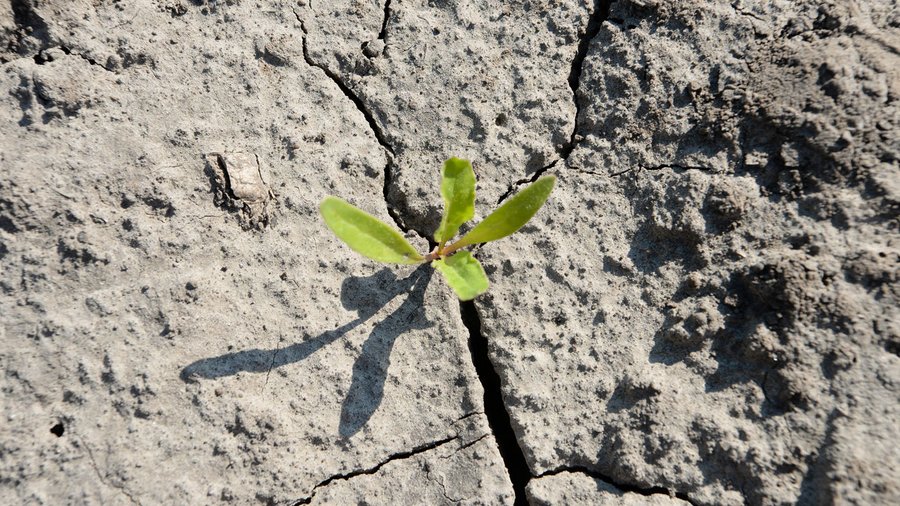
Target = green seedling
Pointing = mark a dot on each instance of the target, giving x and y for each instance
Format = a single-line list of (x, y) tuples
[(377, 240)]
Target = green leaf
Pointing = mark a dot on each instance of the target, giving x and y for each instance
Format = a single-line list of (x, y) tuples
[(458, 190), (464, 274), (366, 234), (511, 215)]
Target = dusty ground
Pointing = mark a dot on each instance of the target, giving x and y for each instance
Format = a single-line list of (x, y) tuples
[(706, 311)]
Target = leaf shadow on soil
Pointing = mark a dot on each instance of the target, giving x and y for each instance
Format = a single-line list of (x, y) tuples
[(366, 296)]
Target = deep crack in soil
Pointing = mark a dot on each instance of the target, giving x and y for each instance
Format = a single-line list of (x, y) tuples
[(494, 408)]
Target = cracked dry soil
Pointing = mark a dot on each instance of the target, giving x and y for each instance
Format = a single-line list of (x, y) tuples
[(706, 311)]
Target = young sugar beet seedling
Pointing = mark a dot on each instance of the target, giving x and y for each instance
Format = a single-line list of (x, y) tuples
[(377, 240)]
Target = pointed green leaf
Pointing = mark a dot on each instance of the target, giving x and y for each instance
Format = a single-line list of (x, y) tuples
[(464, 274), (366, 234), (458, 190), (511, 215)]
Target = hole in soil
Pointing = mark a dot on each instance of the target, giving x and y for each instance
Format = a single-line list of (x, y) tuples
[(58, 430)]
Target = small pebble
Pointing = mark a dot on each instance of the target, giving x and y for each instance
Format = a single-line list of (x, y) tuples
[(373, 48)]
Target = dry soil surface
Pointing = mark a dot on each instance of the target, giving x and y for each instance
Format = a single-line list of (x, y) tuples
[(705, 312)]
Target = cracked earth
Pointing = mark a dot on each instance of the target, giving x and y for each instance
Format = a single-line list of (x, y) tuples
[(705, 311)]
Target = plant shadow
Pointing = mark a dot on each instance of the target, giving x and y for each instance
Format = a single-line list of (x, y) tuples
[(366, 296)]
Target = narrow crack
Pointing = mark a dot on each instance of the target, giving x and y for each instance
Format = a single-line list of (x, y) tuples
[(42, 58), (86, 58), (370, 119), (534, 177), (360, 105), (372, 470), (599, 14), (494, 408), (468, 445), (469, 415), (440, 482), (675, 166), (102, 477), (272, 363), (614, 174), (595, 21), (592, 173), (384, 23), (645, 167), (385, 191), (644, 491), (441, 485)]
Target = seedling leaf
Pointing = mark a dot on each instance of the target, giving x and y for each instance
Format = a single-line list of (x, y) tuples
[(366, 234), (458, 190), (377, 240), (464, 274), (510, 216)]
